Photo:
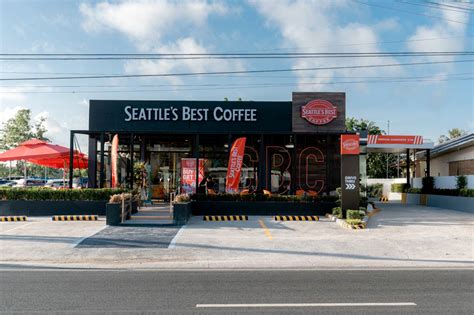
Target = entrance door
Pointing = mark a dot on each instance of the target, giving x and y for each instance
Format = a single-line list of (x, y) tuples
[(165, 156)]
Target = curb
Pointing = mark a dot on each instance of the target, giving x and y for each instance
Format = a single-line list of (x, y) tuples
[(225, 218), (14, 218), (296, 218), (74, 218)]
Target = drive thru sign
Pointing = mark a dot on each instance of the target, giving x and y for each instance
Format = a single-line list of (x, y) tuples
[(350, 171)]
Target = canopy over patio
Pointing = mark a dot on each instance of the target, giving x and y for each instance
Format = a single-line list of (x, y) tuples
[(43, 153)]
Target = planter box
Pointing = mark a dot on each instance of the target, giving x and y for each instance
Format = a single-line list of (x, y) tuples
[(181, 212), (261, 208), (113, 214), (465, 204), (34, 208)]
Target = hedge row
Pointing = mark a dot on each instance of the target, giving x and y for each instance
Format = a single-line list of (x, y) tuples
[(445, 192), (59, 194), (399, 187), (262, 197)]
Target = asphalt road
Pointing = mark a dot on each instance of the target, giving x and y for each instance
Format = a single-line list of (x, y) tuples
[(246, 291)]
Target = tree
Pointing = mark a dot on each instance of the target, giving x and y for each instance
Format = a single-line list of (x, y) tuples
[(17, 130), (452, 134), (376, 162)]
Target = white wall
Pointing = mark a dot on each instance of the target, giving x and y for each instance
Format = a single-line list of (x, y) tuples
[(440, 164), (445, 182)]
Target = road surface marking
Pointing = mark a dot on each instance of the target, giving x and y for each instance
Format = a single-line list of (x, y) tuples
[(175, 238), (303, 305), (265, 229), (19, 227), (79, 241)]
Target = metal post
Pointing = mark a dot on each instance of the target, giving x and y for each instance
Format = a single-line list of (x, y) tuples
[(408, 167), (101, 172), (196, 152), (71, 158), (428, 162)]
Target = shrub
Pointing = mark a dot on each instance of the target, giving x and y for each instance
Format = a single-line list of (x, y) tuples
[(399, 187), (353, 214), (182, 198), (466, 192), (354, 221), (363, 202), (427, 185), (414, 190), (41, 193), (117, 198), (337, 212), (375, 190), (461, 182)]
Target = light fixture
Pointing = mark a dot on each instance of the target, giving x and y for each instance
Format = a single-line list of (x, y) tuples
[(226, 145), (290, 145)]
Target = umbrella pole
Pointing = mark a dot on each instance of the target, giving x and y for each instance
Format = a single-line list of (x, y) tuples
[(24, 168), (10, 170), (64, 174)]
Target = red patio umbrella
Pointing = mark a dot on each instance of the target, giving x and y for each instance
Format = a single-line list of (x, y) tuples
[(33, 149), (79, 161), (43, 153)]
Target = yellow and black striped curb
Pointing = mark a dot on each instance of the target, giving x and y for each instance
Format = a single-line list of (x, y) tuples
[(296, 218), (359, 226), (225, 218), (14, 218), (75, 218), (383, 199)]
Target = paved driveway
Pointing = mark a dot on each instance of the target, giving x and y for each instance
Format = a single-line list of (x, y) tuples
[(399, 236)]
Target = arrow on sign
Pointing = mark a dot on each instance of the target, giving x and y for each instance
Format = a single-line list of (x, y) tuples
[(350, 186)]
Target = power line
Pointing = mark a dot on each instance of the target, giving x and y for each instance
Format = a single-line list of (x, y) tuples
[(231, 87), (378, 78), (451, 6), (438, 6), (207, 56), (407, 11), (234, 72)]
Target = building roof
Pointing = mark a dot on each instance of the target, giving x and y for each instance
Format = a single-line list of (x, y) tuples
[(453, 145)]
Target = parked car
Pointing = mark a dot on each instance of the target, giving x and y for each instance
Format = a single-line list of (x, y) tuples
[(7, 183), (56, 183), (79, 182), (29, 182)]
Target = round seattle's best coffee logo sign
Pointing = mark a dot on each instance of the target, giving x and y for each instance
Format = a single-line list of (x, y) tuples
[(350, 144), (319, 112)]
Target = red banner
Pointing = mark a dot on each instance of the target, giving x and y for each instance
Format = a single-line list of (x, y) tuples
[(389, 139), (236, 157), (349, 144), (188, 175), (114, 161)]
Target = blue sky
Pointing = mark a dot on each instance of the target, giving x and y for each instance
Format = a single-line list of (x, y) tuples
[(442, 100)]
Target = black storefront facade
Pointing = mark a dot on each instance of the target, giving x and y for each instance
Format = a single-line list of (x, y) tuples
[(291, 147)]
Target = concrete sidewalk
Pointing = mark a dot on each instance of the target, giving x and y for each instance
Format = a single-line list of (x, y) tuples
[(399, 236)]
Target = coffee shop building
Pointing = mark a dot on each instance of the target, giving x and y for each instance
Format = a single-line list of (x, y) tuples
[(290, 147)]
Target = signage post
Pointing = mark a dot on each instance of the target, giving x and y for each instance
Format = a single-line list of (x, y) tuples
[(350, 195)]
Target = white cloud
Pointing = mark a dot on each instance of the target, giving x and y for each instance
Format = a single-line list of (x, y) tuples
[(305, 24), (441, 29), (146, 21), (184, 45), (8, 112)]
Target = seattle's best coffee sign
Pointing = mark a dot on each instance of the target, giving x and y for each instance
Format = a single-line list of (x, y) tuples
[(319, 112), (186, 113)]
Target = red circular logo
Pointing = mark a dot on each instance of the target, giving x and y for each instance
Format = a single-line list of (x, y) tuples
[(319, 112), (350, 144)]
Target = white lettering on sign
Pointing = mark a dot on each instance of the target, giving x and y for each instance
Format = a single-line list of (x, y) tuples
[(350, 182), (187, 113)]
